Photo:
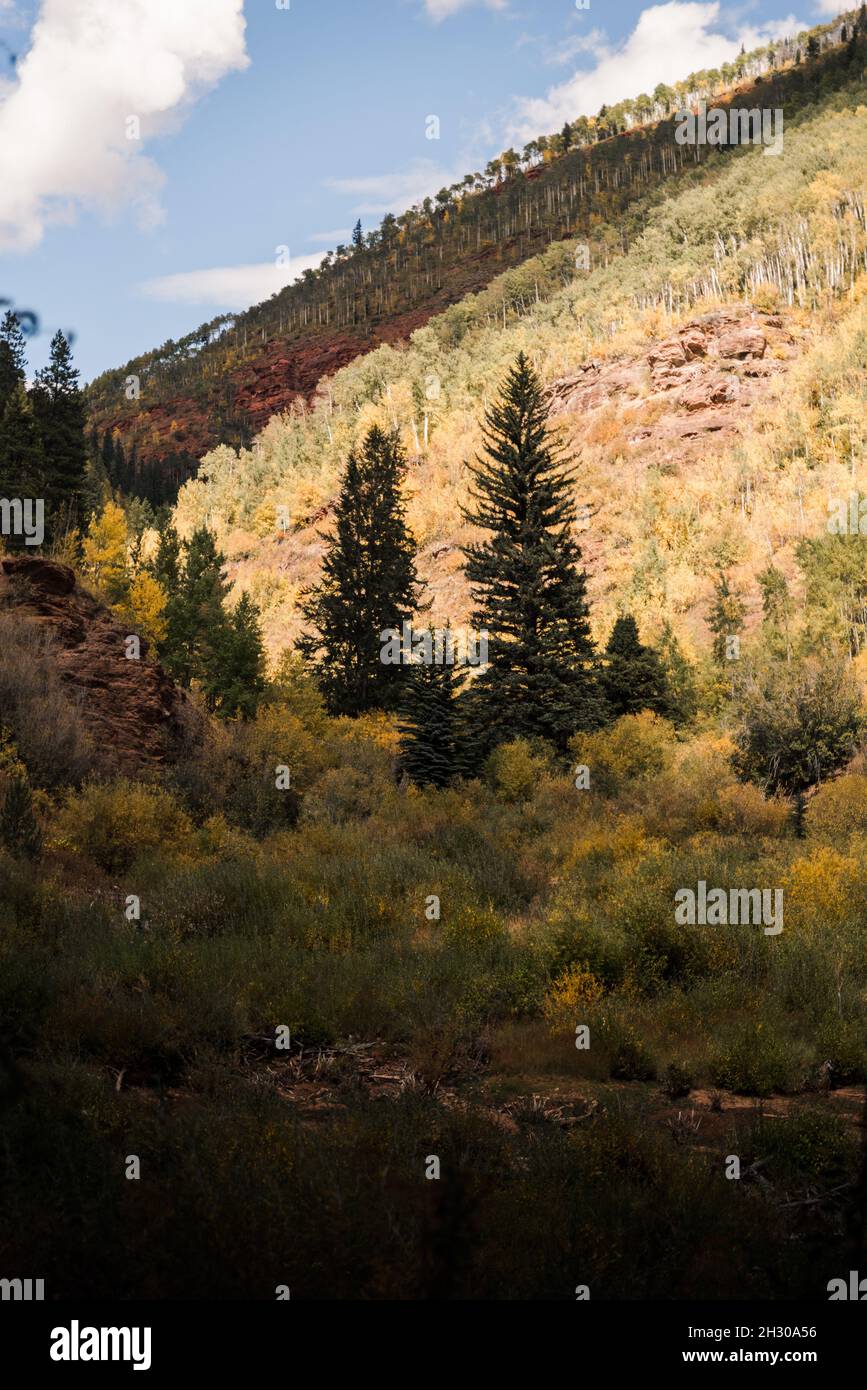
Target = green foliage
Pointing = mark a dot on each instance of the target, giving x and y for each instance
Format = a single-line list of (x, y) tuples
[(433, 737), (530, 596), (205, 645), (368, 585), (726, 618), (636, 746), (796, 724), (513, 769), (835, 570), (59, 414), (755, 1062), (633, 676), (19, 829), (233, 665), (113, 822)]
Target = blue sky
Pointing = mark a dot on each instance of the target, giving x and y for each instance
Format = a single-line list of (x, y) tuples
[(263, 127)]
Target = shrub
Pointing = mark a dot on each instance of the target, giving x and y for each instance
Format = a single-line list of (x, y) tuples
[(19, 829), (677, 1081), (842, 1044), (796, 725), (631, 1059), (754, 1063), (113, 822), (743, 810), (636, 746), (575, 989), (839, 807), (43, 719), (514, 770), (811, 1145)]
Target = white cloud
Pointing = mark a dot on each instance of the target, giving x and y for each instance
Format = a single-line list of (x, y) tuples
[(230, 286), (331, 239), (668, 43), (377, 194), (831, 8), (442, 9), (91, 65)]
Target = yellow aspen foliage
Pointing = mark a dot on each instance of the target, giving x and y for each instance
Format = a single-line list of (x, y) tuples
[(822, 890), (147, 602), (105, 551)]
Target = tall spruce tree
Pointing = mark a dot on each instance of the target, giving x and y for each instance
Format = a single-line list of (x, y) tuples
[(680, 678), (634, 676), (542, 678), (233, 663), (13, 361), (21, 457), (196, 610), (58, 408), (432, 735), (368, 585)]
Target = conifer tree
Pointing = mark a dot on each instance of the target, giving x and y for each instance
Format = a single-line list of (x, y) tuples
[(680, 679), (542, 679), (368, 584), (233, 662), (634, 677), (21, 459), (19, 828), (58, 407), (432, 734), (195, 612), (13, 362)]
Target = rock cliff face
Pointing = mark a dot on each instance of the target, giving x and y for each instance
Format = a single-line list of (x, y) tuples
[(132, 709), (703, 379)]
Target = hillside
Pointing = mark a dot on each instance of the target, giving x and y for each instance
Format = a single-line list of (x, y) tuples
[(703, 380), (124, 716), (325, 980), (598, 181)]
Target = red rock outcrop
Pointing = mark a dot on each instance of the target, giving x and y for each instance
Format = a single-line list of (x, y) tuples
[(132, 709), (708, 374)]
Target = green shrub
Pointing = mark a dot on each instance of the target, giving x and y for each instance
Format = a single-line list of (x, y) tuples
[(754, 1063), (113, 822)]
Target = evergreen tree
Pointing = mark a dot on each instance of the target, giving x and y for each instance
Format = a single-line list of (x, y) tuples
[(167, 561), (96, 488), (634, 677), (776, 612), (368, 584), (542, 678), (680, 679), (431, 727), (195, 614), (13, 363), (21, 460), (19, 828), (357, 235), (233, 663), (58, 407)]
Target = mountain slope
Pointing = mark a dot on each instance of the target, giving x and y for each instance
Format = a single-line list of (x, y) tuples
[(690, 461), (223, 381)]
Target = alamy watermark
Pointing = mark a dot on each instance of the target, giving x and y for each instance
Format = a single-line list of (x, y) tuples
[(731, 127), (23, 516), (720, 907), (847, 518), (22, 1290), (437, 647)]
